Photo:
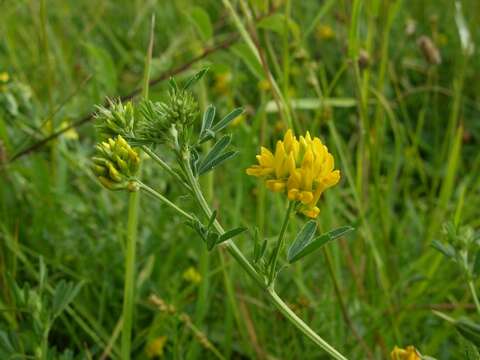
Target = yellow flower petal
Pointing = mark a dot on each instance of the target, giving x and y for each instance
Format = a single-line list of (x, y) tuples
[(275, 185), (311, 212), (300, 168)]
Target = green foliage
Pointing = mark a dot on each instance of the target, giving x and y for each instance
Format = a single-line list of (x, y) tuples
[(305, 242), (404, 133)]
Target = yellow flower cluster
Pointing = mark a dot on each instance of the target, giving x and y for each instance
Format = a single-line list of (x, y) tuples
[(192, 276), (325, 32), (116, 164), (156, 347), (410, 353), (4, 77), (302, 168)]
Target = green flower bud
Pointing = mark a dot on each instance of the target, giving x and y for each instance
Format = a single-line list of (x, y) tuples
[(152, 124), (116, 119), (116, 164), (181, 107), (156, 119)]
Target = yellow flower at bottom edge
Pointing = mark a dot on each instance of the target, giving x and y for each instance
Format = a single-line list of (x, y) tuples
[(156, 347), (409, 353), (300, 168)]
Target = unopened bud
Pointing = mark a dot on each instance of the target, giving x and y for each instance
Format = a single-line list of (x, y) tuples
[(116, 164), (363, 59), (429, 50), (116, 119)]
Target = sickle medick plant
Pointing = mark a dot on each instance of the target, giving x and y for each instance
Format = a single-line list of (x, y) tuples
[(300, 168)]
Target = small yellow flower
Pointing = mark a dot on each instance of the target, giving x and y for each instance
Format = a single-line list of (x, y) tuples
[(238, 120), (156, 347), (264, 85), (410, 353), (302, 169), (4, 77), (192, 276), (70, 134), (222, 82), (325, 32)]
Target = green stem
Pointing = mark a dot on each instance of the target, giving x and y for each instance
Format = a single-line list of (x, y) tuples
[(471, 285), (164, 165), (162, 198), (304, 328), (44, 349), (133, 208), (280, 243), (129, 291), (259, 279)]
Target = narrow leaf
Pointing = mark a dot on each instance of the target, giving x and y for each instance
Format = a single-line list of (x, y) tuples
[(259, 249), (194, 159), (302, 239), (263, 249), (447, 250), (63, 295), (212, 240), (207, 120), (469, 330), (244, 52), (227, 119), (312, 245), (216, 150), (217, 161), (173, 84), (209, 134), (212, 219), (230, 234), (202, 22), (195, 78), (256, 246)]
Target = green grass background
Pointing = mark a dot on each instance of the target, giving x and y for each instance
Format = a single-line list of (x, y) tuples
[(405, 135)]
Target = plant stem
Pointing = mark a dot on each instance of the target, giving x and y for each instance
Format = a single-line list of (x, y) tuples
[(164, 165), (304, 328), (258, 278), (133, 208), (44, 348), (280, 242), (129, 291), (162, 198), (471, 285)]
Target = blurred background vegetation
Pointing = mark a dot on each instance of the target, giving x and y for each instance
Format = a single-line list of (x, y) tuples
[(392, 87)]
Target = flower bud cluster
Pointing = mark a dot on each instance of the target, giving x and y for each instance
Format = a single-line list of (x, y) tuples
[(116, 164), (117, 119)]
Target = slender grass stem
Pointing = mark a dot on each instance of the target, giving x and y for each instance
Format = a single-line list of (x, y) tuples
[(44, 348), (129, 290), (471, 285), (278, 96), (133, 209), (280, 243)]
